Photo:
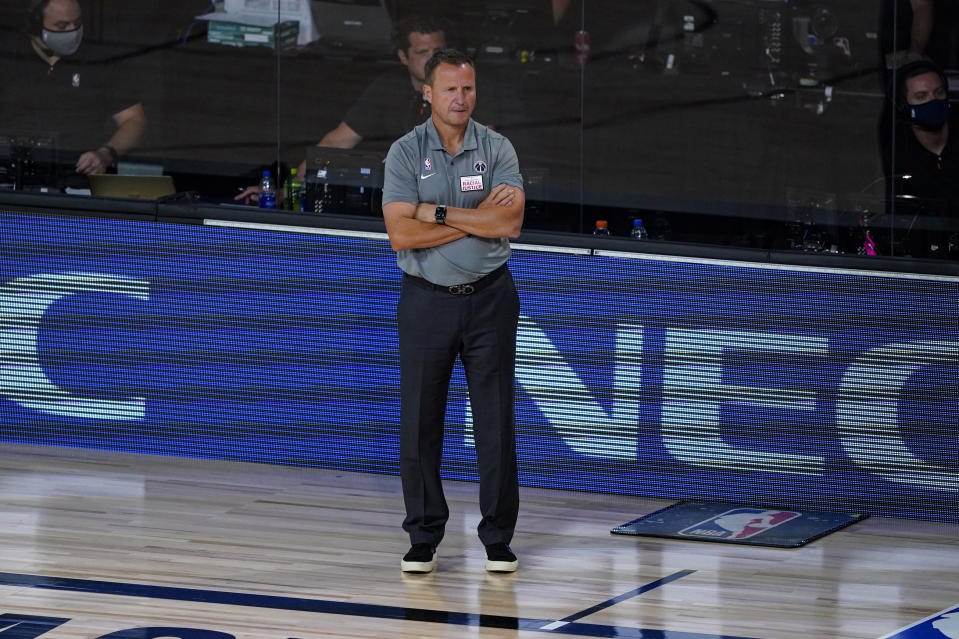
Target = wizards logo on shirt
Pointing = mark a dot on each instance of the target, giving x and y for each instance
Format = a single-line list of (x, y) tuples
[(479, 166)]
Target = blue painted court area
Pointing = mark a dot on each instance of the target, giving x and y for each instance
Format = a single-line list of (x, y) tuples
[(23, 626), (942, 625)]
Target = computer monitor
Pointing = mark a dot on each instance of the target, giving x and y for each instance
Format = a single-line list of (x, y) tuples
[(354, 27)]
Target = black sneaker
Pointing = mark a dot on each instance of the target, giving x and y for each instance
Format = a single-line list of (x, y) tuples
[(499, 558), (420, 558)]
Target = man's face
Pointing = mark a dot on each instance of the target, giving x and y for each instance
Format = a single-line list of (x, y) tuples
[(62, 15), (452, 95), (422, 47), (925, 88)]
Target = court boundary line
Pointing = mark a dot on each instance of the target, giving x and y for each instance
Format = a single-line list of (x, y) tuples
[(628, 595), (346, 608)]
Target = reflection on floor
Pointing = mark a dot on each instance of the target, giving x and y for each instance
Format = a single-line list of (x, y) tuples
[(101, 544)]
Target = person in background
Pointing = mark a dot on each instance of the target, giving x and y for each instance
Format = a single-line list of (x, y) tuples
[(415, 41), (393, 103), (49, 87), (925, 149)]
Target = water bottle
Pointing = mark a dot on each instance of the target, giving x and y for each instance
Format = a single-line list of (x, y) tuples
[(639, 231), (267, 191), (602, 228), (868, 246)]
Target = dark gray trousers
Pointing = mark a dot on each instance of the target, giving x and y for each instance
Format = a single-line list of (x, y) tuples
[(435, 327)]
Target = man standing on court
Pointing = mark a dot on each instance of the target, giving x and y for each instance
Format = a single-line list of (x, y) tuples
[(452, 197)]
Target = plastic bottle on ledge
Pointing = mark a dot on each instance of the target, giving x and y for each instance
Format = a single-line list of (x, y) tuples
[(602, 228), (639, 231), (296, 191), (868, 244), (287, 187), (267, 191), (581, 47)]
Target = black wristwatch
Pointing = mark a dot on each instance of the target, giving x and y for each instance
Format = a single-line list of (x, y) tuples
[(441, 214), (114, 156)]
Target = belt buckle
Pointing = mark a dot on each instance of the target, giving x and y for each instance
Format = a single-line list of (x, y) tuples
[(461, 289)]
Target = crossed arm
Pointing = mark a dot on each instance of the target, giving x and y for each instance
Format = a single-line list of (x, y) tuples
[(414, 226)]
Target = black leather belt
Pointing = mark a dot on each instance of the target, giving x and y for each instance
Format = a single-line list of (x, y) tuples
[(459, 289)]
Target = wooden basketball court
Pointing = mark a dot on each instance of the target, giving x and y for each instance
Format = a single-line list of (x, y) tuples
[(97, 544)]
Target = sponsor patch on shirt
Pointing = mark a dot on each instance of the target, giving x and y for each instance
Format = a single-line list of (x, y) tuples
[(427, 164), (479, 166), (471, 183)]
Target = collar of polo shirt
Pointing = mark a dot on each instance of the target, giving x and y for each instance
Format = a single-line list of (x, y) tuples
[(469, 140)]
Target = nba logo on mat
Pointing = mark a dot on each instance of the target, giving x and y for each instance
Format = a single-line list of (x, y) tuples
[(739, 523), (939, 626)]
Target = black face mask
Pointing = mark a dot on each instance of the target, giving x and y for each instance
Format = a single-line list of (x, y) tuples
[(931, 116)]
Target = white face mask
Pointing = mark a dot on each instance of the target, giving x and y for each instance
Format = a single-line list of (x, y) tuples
[(63, 42)]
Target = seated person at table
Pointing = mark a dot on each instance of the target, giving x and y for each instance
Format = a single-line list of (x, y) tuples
[(415, 41), (50, 88), (926, 162), (393, 103)]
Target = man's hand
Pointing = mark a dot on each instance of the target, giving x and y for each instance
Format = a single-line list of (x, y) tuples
[(413, 226), (249, 195), (94, 162), (501, 195), (425, 212), (499, 215)]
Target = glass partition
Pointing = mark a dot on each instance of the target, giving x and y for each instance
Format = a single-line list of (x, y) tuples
[(781, 126)]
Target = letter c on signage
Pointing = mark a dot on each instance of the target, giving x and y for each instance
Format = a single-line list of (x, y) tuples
[(867, 414), (23, 303)]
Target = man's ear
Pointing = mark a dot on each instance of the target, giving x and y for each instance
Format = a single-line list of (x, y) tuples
[(428, 93), (401, 54)]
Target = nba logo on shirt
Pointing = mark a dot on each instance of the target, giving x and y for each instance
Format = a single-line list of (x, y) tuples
[(428, 164), (739, 523), (479, 166), (76, 80)]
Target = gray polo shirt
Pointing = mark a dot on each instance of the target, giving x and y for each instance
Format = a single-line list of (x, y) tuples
[(418, 169)]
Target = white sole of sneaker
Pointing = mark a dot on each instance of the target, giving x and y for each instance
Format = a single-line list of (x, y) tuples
[(418, 566), (501, 566)]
